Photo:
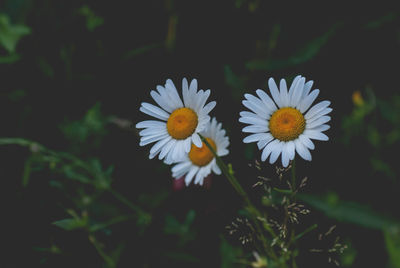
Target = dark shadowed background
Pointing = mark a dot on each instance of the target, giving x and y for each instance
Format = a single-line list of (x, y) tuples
[(73, 75)]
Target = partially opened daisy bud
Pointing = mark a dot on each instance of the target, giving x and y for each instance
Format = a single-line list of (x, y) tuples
[(285, 124), (178, 122), (200, 161)]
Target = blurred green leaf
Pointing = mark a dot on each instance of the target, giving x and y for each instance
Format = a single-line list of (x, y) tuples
[(306, 53), (182, 230), (99, 226), (16, 95), (237, 83), (8, 59), (45, 67), (373, 136), (70, 224), (141, 50), (92, 20), (27, 171), (372, 25), (90, 128), (153, 200), (72, 173), (392, 241), (230, 255), (10, 34), (381, 166), (349, 212), (348, 256)]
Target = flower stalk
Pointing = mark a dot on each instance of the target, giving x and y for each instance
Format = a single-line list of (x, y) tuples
[(254, 212)]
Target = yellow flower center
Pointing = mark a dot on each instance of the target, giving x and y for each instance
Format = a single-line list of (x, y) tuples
[(287, 124), (202, 156), (182, 123)]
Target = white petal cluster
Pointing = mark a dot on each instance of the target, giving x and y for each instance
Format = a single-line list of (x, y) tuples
[(262, 107), (168, 100), (215, 132)]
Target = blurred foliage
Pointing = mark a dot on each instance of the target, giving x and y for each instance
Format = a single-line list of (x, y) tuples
[(304, 54), (349, 212), (86, 132), (92, 20), (10, 34)]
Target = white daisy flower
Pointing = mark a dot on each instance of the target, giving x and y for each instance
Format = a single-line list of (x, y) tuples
[(179, 122), (285, 123), (199, 162)]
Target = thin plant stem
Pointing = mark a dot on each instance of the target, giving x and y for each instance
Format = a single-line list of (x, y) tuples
[(250, 207), (124, 200), (293, 197), (37, 147), (110, 262)]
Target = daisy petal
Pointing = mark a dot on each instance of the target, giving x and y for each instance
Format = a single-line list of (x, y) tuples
[(276, 152), (268, 149), (318, 122), (307, 142), (153, 110), (307, 88), (307, 101), (196, 140), (285, 155), (297, 93), (274, 92), (208, 107), (255, 129), (190, 174), (161, 101), (302, 150), (315, 135), (253, 120), (262, 143), (256, 137), (266, 100), (293, 85), (185, 93), (284, 93), (216, 169), (321, 128), (150, 123), (319, 107)]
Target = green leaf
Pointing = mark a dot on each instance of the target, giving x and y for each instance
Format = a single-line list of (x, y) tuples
[(349, 212), (392, 241), (230, 255), (10, 34), (70, 224), (8, 59), (372, 25), (92, 20), (141, 50), (306, 53), (45, 67), (382, 166)]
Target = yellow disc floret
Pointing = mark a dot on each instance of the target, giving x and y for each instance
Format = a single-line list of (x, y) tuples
[(287, 124), (202, 156), (182, 123)]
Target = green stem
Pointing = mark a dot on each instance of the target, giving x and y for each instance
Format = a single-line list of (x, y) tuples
[(124, 200), (309, 229), (250, 207), (110, 262), (293, 196), (294, 175), (37, 147)]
